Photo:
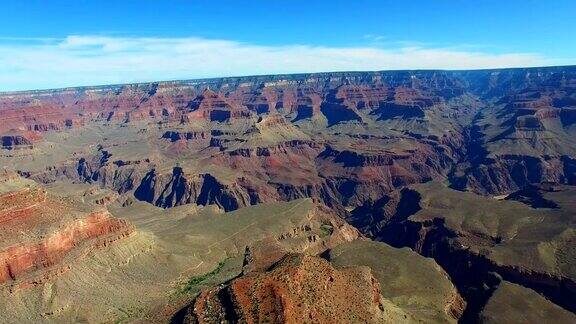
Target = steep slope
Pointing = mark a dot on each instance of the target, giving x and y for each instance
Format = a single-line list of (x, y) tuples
[(480, 240), (526, 133), (92, 270), (415, 284), (137, 180), (301, 289), (515, 304), (391, 127), (40, 233), (362, 281)]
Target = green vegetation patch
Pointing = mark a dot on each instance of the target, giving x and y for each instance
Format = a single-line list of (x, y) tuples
[(196, 280), (326, 230)]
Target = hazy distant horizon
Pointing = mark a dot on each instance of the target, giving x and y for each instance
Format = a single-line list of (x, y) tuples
[(107, 42), (207, 79)]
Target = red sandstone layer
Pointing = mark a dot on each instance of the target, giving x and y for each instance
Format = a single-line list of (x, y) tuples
[(98, 227)]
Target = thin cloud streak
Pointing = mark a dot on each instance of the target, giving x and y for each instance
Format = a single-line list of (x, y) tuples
[(93, 60)]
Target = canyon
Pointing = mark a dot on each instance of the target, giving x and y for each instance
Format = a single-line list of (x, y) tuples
[(424, 196)]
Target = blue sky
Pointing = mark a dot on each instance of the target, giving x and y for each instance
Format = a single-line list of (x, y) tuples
[(48, 44)]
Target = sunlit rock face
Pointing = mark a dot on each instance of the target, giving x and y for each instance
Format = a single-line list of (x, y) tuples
[(169, 183)]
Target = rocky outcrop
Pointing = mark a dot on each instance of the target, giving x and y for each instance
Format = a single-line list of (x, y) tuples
[(95, 230), (374, 218), (21, 203), (533, 195), (174, 136), (533, 110), (213, 106), (10, 142), (298, 288), (476, 275), (336, 111), (414, 283), (508, 173), (512, 303), (19, 140), (292, 169), (361, 177), (434, 224), (357, 142), (177, 188), (38, 231)]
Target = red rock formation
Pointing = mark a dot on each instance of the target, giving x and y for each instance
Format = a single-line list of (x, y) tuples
[(298, 289), (21, 203), (38, 231), (98, 228), (19, 140), (214, 106), (431, 108)]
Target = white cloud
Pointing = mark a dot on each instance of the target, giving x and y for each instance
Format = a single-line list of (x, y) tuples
[(91, 60), (374, 38)]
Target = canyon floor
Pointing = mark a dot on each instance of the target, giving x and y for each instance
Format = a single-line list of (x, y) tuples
[(401, 196)]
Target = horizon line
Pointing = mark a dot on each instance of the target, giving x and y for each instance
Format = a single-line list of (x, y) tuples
[(208, 79)]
